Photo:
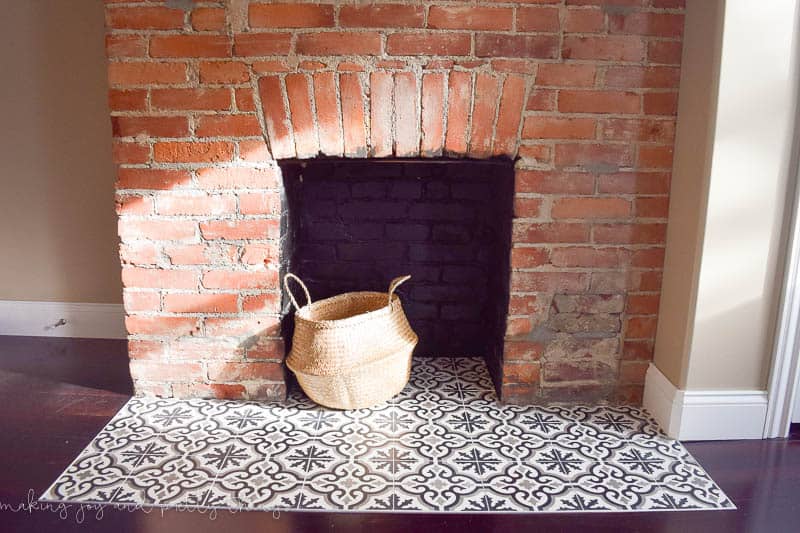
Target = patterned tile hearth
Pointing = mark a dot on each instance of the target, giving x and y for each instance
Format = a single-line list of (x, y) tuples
[(443, 444)]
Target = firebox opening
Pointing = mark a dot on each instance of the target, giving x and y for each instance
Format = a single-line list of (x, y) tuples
[(353, 225)]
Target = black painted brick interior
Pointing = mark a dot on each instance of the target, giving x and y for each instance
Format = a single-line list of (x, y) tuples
[(354, 225)]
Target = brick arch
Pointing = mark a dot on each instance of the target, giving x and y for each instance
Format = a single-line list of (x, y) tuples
[(387, 112)]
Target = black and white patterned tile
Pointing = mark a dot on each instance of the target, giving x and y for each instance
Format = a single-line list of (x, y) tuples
[(443, 444)]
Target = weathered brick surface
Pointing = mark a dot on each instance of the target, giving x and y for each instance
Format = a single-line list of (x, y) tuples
[(205, 97)]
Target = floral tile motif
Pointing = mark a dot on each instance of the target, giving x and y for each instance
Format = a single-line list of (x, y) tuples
[(444, 444)]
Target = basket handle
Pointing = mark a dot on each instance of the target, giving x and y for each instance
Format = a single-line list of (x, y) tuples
[(289, 291), (396, 282)]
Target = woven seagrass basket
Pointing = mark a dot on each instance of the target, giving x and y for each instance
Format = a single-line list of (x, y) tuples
[(352, 350)]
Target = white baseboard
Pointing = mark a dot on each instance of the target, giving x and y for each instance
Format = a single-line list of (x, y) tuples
[(40, 319), (704, 414)]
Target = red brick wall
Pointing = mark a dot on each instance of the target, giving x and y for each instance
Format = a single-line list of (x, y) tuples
[(206, 96)]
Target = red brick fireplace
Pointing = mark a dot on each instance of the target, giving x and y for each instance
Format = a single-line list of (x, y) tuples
[(207, 98)]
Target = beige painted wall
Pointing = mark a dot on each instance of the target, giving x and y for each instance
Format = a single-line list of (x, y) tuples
[(58, 232), (725, 341)]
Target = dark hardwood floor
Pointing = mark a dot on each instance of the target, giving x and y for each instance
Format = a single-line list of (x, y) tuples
[(56, 394)]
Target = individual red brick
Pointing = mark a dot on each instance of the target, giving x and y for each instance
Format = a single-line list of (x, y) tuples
[(233, 371), (634, 183), (541, 100), (661, 103), (259, 203), (146, 73), (516, 372), (129, 152), (561, 282), (146, 178), (190, 46), (156, 229), (266, 349), (591, 208), (245, 101), (311, 65), (439, 64), (142, 349), (527, 207), (380, 113), (127, 100), (195, 204), (330, 132), (487, 93), (160, 371), (598, 102), (515, 66), (433, 86), (642, 304), (605, 48), (648, 258), (539, 127), (637, 350), (251, 326), (522, 351), (353, 126), (642, 77), (660, 131), (640, 327), (428, 44), (668, 52), (191, 99), (528, 304), (223, 72), (633, 372), (150, 126), (290, 15), (305, 131), (237, 178), (594, 155), (339, 43), (201, 303), (133, 204), (652, 24), (584, 21), (509, 45), (586, 257), (239, 279), (381, 16), (630, 233), (470, 18), (543, 19), (257, 254), (201, 254), (405, 112), (551, 182), (655, 157), (652, 207), (241, 229), (529, 257), (518, 327), (554, 232), (193, 152), (144, 18), (349, 66), (459, 101), (509, 115), (125, 46), (138, 253), (156, 278), (227, 126), (273, 65), (267, 302), (539, 153), (276, 117), (261, 44), (208, 18), (565, 75)]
